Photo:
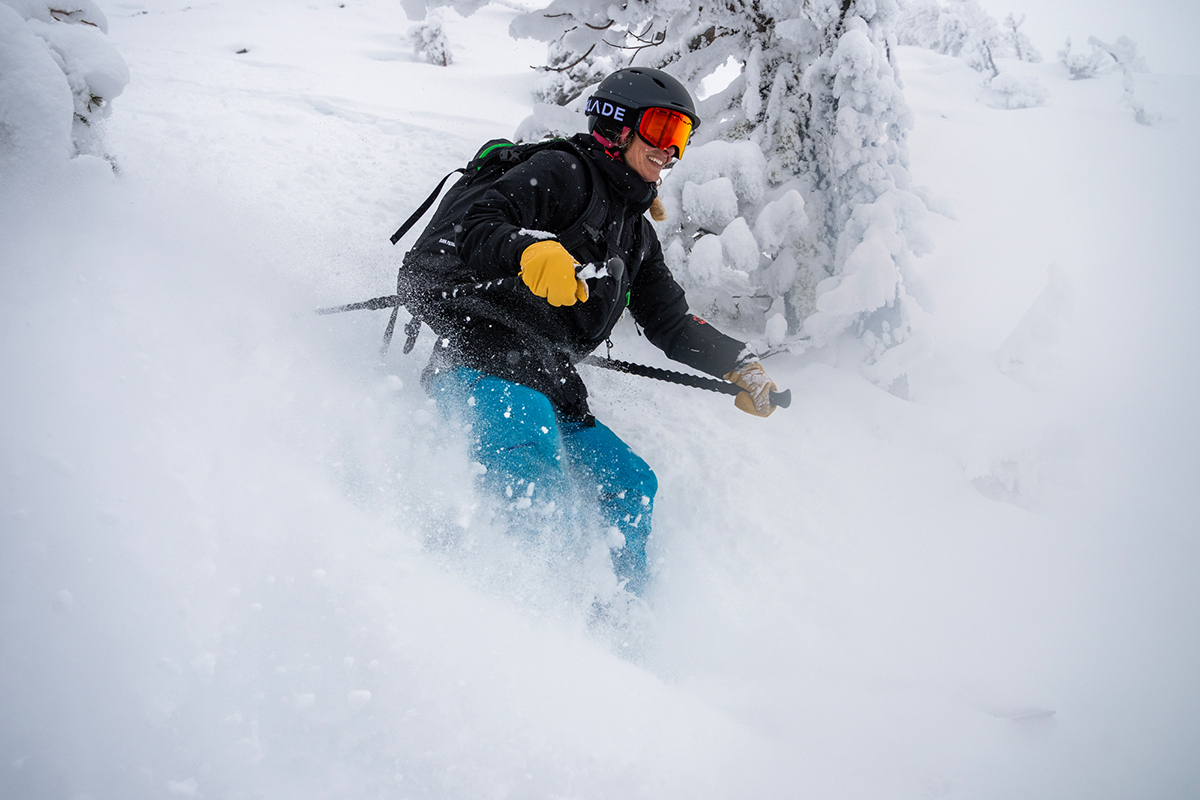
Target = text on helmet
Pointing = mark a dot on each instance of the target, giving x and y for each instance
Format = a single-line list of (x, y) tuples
[(605, 109)]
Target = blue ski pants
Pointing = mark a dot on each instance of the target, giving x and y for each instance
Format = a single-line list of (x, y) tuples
[(538, 461)]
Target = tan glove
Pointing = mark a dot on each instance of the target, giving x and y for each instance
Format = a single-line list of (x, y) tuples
[(756, 399), (549, 271)]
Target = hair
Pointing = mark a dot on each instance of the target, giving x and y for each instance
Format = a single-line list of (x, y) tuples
[(658, 212)]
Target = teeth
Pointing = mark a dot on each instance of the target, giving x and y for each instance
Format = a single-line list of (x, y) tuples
[(656, 161)]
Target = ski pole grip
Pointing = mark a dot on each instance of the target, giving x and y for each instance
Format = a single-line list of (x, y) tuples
[(782, 399)]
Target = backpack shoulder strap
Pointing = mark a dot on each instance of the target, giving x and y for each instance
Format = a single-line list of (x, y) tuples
[(589, 229), (420, 212), (496, 151)]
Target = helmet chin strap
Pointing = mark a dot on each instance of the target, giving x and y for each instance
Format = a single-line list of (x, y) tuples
[(614, 149)]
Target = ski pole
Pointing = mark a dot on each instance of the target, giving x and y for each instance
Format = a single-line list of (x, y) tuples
[(478, 287), (614, 267), (440, 292), (387, 301), (781, 399)]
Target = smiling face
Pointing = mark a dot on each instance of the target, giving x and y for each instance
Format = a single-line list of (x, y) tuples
[(647, 161)]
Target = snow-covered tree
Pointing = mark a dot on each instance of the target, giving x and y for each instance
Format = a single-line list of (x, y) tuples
[(1019, 43), (587, 40), (1124, 52), (962, 28), (58, 77), (1120, 55), (1082, 66), (567, 73), (429, 41), (842, 140), (792, 210)]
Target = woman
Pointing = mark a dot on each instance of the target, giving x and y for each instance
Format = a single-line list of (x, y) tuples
[(504, 361)]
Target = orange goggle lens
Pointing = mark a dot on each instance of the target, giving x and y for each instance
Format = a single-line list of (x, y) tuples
[(663, 128)]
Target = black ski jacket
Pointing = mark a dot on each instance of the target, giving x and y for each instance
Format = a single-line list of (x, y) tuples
[(519, 336)]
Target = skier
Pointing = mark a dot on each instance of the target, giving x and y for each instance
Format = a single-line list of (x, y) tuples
[(504, 361)]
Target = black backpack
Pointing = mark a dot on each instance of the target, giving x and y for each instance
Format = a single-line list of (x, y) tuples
[(421, 272)]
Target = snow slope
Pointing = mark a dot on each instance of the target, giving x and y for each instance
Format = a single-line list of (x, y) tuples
[(241, 558)]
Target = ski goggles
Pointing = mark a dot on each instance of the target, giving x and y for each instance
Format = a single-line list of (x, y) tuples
[(663, 128)]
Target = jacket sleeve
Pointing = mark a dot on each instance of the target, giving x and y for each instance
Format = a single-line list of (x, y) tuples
[(544, 194), (659, 305)]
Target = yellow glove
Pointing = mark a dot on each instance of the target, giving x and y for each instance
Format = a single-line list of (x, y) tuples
[(756, 399), (549, 271)]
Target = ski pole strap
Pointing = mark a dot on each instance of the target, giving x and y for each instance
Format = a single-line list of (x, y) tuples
[(411, 331), (781, 399), (420, 212)]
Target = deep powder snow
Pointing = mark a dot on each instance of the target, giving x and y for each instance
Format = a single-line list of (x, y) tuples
[(241, 557)]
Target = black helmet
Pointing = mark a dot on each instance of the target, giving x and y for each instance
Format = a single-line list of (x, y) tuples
[(623, 95)]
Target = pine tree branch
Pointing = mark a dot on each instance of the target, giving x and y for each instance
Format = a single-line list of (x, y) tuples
[(568, 66), (658, 39)]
